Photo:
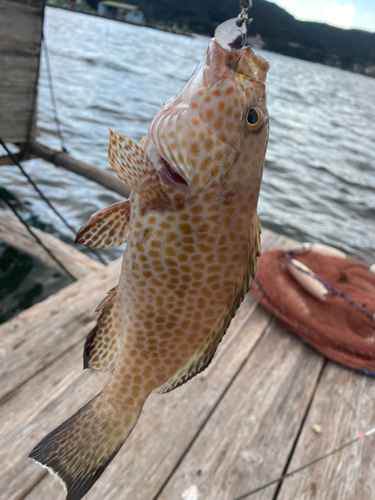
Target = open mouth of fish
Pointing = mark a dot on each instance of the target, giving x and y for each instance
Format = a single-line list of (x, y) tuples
[(170, 177)]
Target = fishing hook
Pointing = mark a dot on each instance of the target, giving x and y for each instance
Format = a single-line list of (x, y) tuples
[(245, 6)]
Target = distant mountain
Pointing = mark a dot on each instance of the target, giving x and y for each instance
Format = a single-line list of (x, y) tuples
[(312, 41), (349, 49)]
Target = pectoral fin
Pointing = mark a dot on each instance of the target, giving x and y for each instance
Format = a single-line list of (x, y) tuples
[(134, 167), (107, 228), (255, 245)]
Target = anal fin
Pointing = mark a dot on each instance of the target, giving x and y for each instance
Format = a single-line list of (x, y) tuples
[(102, 343), (134, 167), (107, 228)]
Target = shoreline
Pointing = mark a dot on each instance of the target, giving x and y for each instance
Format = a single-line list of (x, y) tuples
[(356, 68)]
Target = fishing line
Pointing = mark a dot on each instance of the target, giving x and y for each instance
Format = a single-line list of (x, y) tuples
[(319, 459), (36, 237), (52, 95), (327, 285)]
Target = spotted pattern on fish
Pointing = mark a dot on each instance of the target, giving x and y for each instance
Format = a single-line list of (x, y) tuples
[(192, 242)]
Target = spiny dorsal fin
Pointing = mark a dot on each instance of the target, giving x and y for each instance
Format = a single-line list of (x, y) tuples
[(134, 167), (107, 228), (102, 343)]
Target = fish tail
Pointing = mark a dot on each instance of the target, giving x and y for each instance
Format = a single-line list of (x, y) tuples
[(80, 449)]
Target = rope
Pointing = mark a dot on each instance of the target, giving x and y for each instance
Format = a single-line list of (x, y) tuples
[(16, 162), (44, 198), (35, 92), (61, 137), (36, 237), (319, 459), (52, 95)]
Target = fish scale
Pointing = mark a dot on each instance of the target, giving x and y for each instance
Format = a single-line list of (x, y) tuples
[(193, 236)]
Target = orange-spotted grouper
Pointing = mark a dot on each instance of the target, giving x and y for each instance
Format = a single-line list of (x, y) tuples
[(193, 237)]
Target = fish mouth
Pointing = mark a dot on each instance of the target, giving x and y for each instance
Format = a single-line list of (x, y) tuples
[(170, 177)]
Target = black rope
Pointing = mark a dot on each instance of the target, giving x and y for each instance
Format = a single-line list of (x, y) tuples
[(37, 239), (52, 94), (16, 162), (60, 134)]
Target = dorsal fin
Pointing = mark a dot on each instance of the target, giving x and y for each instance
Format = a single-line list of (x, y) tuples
[(134, 167), (107, 228), (102, 343)]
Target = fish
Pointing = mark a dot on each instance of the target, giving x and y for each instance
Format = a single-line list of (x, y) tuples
[(193, 237)]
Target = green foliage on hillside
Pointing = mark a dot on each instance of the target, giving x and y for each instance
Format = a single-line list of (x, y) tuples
[(281, 31)]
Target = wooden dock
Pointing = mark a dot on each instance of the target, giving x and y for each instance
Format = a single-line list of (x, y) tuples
[(244, 421)]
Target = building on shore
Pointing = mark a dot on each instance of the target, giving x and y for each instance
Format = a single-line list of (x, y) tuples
[(119, 10)]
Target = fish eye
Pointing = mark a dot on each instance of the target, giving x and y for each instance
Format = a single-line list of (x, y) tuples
[(254, 119)]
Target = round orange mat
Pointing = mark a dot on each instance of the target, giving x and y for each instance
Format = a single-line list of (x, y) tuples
[(337, 329)]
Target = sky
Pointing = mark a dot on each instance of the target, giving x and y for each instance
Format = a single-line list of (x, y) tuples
[(352, 14)]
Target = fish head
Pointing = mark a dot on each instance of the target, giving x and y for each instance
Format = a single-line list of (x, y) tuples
[(217, 121)]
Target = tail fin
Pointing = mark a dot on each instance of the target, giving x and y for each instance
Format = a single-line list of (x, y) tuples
[(79, 450)]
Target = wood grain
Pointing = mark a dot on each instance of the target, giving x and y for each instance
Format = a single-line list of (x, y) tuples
[(167, 425), (344, 407), (39, 335), (249, 437), (14, 234), (21, 25)]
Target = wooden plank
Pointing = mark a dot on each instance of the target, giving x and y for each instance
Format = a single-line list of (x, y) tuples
[(61, 159), (14, 234), (42, 333), (21, 156), (344, 407), (21, 24), (167, 425), (46, 385), (160, 415), (18, 473), (249, 437)]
